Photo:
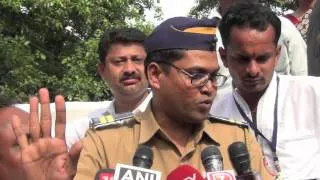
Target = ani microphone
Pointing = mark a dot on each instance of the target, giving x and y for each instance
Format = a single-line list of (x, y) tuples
[(143, 157), (142, 162)]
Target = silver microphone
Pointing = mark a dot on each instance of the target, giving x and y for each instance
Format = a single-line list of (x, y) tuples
[(211, 159)]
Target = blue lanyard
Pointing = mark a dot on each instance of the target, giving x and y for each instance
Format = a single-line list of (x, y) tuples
[(253, 126)]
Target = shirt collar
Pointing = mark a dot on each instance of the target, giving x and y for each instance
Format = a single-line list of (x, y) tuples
[(270, 89), (148, 125), (144, 103), (211, 132), (110, 108)]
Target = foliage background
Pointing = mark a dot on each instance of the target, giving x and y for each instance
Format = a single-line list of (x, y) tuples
[(203, 8), (53, 43)]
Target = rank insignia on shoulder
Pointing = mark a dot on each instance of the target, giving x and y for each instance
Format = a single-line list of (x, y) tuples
[(110, 120), (213, 118)]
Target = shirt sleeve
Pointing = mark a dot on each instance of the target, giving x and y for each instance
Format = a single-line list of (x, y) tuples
[(294, 45), (75, 131), (92, 157)]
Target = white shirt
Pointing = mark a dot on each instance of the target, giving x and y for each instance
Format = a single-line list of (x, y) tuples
[(298, 137), (293, 54), (76, 130), (227, 87)]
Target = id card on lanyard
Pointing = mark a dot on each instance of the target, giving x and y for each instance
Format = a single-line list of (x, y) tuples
[(273, 143)]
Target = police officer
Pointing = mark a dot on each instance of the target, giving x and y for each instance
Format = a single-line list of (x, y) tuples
[(181, 68)]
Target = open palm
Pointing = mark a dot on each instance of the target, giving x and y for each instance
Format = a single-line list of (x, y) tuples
[(44, 157)]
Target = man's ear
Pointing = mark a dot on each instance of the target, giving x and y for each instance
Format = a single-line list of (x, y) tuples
[(278, 50), (100, 69), (223, 55), (154, 73)]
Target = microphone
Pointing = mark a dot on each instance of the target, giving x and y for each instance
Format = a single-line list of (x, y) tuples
[(142, 162), (184, 172), (213, 164), (211, 159), (143, 157), (240, 160), (104, 174)]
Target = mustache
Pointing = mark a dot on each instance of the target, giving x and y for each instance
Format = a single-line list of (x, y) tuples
[(127, 76)]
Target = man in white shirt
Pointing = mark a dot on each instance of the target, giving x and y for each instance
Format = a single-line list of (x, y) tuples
[(293, 54), (282, 111), (121, 66)]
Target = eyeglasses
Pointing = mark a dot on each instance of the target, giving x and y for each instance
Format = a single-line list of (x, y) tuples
[(200, 79)]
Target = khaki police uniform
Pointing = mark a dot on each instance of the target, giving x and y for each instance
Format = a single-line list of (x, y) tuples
[(116, 142)]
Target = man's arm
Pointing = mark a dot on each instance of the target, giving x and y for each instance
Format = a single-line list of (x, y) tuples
[(293, 50)]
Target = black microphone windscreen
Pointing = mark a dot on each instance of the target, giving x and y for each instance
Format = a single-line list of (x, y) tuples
[(143, 157), (211, 159), (239, 157)]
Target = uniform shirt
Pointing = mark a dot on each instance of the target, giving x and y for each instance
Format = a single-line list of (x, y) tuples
[(105, 148), (76, 130), (298, 114)]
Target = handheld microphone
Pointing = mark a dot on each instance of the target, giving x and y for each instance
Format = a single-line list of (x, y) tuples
[(213, 163), (143, 157), (142, 162), (240, 160), (184, 172), (211, 159), (104, 174)]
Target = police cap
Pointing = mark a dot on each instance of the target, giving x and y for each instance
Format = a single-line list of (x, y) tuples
[(183, 33)]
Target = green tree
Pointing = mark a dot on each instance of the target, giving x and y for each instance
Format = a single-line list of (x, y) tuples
[(53, 44), (203, 8)]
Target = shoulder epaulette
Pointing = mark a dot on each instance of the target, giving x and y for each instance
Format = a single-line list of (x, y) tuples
[(110, 120), (212, 118)]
